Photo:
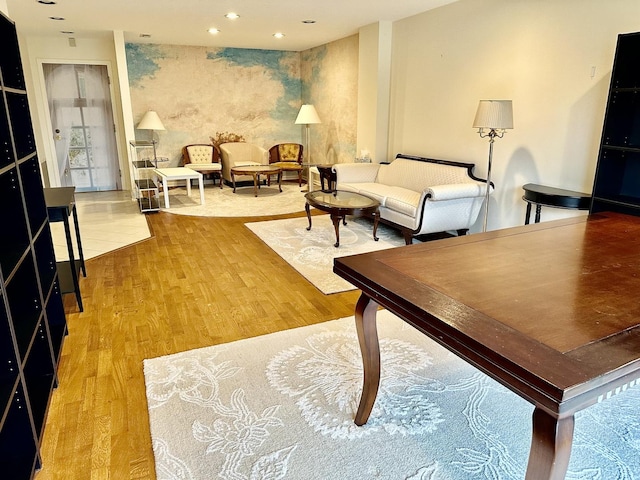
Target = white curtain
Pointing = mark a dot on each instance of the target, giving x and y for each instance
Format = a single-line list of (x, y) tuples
[(81, 116)]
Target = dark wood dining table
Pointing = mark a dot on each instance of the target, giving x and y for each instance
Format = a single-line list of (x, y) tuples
[(549, 310)]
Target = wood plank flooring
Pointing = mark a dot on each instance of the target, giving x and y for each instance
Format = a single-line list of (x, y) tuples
[(197, 282)]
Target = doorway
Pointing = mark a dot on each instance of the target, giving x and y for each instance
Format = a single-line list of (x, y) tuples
[(83, 128)]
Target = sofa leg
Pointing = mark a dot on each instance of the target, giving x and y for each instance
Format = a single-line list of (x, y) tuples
[(462, 232), (408, 237)]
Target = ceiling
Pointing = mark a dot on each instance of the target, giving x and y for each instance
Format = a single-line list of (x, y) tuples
[(185, 22)]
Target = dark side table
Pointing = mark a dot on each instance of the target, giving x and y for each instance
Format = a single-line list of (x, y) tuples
[(552, 197), (61, 204), (327, 175)]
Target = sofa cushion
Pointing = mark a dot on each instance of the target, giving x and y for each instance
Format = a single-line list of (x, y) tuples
[(416, 175), (377, 191), (404, 201)]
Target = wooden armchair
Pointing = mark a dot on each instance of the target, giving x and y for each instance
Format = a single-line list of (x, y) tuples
[(203, 158), (288, 157)]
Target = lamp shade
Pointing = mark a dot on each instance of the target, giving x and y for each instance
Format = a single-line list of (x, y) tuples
[(496, 114), (307, 115), (151, 121)]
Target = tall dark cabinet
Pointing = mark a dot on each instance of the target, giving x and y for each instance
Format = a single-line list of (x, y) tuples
[(32, 318), (617, 182)]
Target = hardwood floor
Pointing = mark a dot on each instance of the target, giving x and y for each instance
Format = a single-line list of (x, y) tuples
[(197, 282)]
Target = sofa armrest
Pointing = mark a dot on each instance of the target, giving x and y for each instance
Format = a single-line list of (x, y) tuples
[(356, 172), (455, 191)]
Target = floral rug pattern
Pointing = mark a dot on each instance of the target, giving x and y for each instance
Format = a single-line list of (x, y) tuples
[(281, 406)]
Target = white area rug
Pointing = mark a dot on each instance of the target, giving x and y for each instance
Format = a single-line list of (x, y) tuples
[(312, 252), (281, 406), (224, 203)]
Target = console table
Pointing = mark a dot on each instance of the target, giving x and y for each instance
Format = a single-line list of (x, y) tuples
[(577, 347), (552, 197), (61, 204)]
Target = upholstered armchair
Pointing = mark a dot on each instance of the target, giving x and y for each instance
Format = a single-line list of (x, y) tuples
[(203, 158), (288, 157), (240, 154)]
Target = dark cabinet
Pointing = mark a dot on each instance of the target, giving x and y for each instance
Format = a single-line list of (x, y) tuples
[(32, 318), (617, 183)]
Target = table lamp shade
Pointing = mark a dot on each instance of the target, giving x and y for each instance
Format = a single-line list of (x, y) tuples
[(496, 114), (151, 121), (307, 115)]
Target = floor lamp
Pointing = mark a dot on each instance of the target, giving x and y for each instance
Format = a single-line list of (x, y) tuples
[(151, 121), (307, 116), (492, 119)]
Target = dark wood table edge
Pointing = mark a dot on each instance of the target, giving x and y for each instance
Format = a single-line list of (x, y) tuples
[(553, 417)]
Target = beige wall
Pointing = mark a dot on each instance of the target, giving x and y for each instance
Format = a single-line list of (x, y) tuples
[(374, 76), (541, 54)]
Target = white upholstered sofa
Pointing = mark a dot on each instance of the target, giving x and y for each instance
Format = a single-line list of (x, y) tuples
[(239, 154), (418, 195)]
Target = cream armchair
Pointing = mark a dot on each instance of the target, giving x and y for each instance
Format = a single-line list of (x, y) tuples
[(238, 154), (203, 158)]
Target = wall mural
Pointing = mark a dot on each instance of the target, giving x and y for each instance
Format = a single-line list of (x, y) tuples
[(330, 83), (200, 91)]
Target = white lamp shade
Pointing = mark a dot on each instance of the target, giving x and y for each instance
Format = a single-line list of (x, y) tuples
[(496, 114), (307, 115), (151, 121)]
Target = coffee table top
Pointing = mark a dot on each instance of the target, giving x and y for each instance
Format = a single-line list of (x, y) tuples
[(255, 169), (177, 173), (340, 200)]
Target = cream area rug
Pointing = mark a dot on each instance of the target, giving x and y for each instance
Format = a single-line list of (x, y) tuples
[(224, 203), (281, 406), (312, 252)]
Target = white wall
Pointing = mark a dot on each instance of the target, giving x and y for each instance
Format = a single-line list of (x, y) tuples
[(541, 54)]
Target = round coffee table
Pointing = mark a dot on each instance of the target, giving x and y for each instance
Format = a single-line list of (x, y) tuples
[(339, 204), (255, 171)]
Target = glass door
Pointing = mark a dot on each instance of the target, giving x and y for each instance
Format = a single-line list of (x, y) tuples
[(83, 127)]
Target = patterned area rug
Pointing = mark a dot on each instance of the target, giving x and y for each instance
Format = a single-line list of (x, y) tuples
[(281, 406), (224, 203), (312, 252)]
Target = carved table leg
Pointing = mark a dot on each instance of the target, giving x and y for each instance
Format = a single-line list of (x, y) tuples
[(308, 210), (366, 310), (376, 219), (550, 446), (336, 225), (256, 180)]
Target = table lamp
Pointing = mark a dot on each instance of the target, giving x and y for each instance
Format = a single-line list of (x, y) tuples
[(307, 116), (151, 121)]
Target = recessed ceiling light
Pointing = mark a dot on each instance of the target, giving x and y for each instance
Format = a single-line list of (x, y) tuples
[(67, 32), (232, 16), (56, 18), (47, 2), (308, 21), (213, 31), (278, 35), (145, 35)]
